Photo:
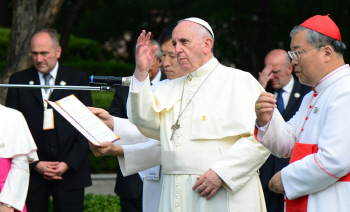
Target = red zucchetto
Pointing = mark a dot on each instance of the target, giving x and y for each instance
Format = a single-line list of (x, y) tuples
[(324, 25)]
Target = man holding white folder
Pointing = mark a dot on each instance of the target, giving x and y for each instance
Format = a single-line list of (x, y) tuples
[(129, 134)]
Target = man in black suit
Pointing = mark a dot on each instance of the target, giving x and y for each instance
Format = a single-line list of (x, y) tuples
[(129, 188), (63, 169), (277, 78)]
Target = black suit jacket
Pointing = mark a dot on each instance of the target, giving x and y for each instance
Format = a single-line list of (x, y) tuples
[(274, 202), (63, 143), (129, 187)]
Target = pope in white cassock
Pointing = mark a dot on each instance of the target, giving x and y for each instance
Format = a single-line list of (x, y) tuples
[(317, 137), (17, 150), (206, 120)]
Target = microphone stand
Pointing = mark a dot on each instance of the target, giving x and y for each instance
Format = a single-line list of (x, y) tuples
[(90, 88)]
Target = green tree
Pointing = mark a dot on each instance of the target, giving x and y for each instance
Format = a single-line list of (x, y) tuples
[(26, 19)]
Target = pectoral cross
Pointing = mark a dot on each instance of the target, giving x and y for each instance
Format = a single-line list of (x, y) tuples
[(174, 128)]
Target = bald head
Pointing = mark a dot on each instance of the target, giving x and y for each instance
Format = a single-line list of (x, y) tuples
[(278, 55), (279, 61)]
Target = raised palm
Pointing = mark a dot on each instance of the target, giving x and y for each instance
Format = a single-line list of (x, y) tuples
[(143, 56)]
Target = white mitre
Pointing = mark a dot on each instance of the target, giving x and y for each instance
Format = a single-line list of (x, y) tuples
[(15, 137), (201, 22)]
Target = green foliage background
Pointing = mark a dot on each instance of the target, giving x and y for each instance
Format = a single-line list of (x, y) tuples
[(4, 39), (245, 31), (93, 203), (98, 203)]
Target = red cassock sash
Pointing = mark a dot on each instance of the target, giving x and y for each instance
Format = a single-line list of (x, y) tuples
[(299, 152)]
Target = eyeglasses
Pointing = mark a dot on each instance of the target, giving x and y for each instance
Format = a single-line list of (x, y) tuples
[(296, 55)]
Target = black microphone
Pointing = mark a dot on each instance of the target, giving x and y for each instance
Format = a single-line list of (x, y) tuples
[(110, 80)]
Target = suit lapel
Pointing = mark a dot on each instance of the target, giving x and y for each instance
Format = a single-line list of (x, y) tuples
[(292, 99), (34, 77), (163, 76), (59, 78)]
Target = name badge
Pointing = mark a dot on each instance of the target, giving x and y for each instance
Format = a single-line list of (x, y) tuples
[(48, 119), (153, 173)]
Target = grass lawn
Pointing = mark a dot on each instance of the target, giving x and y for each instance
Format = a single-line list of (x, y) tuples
[(97, 203)]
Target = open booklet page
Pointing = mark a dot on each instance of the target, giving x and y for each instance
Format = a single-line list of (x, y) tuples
[(76, 113)]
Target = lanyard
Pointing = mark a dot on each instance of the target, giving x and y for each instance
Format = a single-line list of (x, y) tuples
[(45, 96)]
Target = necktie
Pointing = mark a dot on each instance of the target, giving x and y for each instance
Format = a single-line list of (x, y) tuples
[(47, 78), (280, 103)]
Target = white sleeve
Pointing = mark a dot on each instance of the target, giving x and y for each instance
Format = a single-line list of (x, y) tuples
[(128, 132), (138, 157), (140, 108), (239, 163), (279, 137), (317, 171), (15, 189), (136, 85)]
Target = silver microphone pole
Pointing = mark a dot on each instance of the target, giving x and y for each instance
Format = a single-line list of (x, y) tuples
[(110, 81), (90, 88)]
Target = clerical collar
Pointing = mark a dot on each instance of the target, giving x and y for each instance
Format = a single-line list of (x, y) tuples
[(330, 78), (204, 70)]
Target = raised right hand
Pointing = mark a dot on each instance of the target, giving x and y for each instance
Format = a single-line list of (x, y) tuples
[(264, 107), (143, 56), (265, 76)]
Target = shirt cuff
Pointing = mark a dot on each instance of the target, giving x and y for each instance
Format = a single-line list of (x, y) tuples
[(136, 85), (263, 128)]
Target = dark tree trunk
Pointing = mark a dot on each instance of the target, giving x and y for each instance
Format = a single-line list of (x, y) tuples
[(67, 29), (25, 21)]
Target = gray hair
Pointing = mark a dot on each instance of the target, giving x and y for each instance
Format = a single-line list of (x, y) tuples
[(317, 39), (52, 33), (158, 51), (287, 59), (204, 32)]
